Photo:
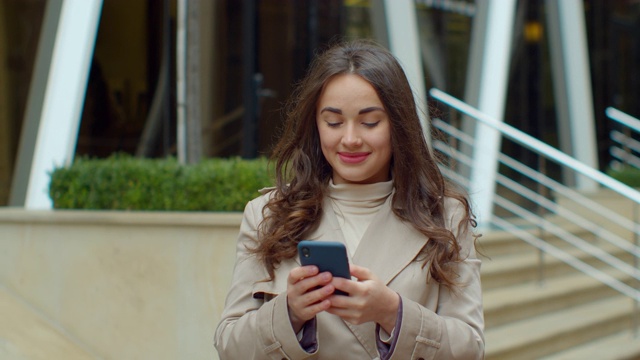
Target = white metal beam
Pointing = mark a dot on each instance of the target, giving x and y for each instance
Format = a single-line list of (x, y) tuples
[(188, 75), (51, 134), (491, 94), (572, 84), (398, 30)]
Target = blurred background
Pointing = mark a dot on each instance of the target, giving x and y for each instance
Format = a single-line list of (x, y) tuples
[(198, 80), (249, 54)]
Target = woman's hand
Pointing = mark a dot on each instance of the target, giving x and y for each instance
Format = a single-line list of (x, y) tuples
[(369, 300), (307, 293)]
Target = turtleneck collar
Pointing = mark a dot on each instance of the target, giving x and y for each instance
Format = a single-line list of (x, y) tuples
[(360, 192)]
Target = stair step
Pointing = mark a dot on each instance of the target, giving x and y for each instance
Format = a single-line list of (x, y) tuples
[(530, 299), (498, 242), (558, 331), (523, 267), (566, 315), (620, 346)]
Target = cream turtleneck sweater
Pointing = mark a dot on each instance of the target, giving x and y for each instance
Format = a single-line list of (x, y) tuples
[(355, 206)]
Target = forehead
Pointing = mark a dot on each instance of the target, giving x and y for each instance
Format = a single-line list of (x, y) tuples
[(349, 89)]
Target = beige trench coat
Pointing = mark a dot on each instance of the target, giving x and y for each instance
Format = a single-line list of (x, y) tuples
[(436, 322)]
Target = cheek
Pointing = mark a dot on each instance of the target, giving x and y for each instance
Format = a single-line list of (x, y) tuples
[(382, 140), (324, 146), (328, 139)]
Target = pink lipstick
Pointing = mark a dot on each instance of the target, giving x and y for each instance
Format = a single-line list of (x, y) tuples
[(353, 158)]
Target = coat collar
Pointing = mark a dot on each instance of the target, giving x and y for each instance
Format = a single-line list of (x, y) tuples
[(387, 246)]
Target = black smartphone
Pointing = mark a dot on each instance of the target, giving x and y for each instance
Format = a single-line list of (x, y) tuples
[(327, 256)]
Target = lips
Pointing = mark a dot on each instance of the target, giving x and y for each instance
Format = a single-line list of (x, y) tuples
[(353, 158)]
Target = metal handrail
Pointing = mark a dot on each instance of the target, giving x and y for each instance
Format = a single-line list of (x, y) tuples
[(622, 139), (546, 204), (544, 180), (538, 146), (623, 118), (627, 145), (625, 157), (625, 154), (568, 237), (549, 248)]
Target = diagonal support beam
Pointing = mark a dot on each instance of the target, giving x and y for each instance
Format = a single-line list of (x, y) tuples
[(572, 85), (395, 25), (491, 56), (57, 91)]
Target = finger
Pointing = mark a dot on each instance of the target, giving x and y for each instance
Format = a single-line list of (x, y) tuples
[(346, 285), (307, 305), (341, 312), (340, 301), (317, 295), (312, 310), (298, 273), (361, 273), (307, 284), (302, 289), (346, 314)]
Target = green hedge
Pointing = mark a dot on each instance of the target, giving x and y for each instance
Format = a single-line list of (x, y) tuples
[(122, 182), (627, 175)]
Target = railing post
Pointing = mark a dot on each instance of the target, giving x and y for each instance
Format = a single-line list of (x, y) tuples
[(627, 149), (636, 305), (542, 167), (541, 274)]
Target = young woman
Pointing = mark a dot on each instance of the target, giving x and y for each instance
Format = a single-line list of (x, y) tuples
[(352, 166)]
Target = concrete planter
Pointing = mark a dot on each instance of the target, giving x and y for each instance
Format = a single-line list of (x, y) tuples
[(114, 285)]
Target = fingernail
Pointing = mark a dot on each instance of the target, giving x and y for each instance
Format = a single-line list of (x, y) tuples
[(329, 290)]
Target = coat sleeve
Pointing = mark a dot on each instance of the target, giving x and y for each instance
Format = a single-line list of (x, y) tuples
[(455, 329), (254, 325)]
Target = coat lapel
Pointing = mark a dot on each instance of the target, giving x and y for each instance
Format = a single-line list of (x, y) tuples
[(329, 228), (388, 245)]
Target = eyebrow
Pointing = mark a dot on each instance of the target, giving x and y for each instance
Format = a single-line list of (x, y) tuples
[(330, 109), (370, 109), (362, 111)]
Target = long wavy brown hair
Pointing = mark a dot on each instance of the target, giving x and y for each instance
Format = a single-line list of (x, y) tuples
[(302, 172)]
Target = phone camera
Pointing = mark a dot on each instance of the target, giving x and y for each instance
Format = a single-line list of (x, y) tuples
[(305, 252)]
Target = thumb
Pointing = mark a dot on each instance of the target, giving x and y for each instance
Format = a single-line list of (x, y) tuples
[(361, 273)]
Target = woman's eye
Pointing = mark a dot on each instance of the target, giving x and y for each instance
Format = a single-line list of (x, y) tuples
[(371, 124), (333, 123)]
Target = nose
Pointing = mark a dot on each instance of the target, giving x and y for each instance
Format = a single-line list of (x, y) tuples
[(351, 137)]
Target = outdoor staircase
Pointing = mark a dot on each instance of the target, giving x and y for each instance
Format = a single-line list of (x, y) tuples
[(553, 312)]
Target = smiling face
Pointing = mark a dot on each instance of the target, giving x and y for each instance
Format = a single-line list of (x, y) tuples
[(355, 131)]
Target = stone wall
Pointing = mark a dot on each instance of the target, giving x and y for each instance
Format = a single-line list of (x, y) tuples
[(120, 285)]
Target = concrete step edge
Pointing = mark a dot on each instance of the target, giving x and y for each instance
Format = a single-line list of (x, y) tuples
[(526, 260), (529, 335), (517, 302), (620, 346), (524, 294)]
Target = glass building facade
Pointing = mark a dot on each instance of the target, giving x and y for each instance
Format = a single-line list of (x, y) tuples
[(250, 53)]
